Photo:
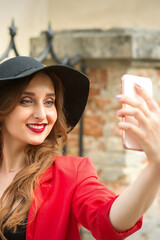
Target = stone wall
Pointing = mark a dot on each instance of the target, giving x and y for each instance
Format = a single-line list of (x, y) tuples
[(107, 56)]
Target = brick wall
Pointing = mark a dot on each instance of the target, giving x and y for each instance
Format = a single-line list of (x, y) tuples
[(116, 167)]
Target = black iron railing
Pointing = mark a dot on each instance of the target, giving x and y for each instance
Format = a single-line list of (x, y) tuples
[(49, 33)]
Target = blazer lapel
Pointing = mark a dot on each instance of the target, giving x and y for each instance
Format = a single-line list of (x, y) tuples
[(40, 193)]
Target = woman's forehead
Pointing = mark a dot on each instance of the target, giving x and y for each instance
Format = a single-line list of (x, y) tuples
[(40, 80)]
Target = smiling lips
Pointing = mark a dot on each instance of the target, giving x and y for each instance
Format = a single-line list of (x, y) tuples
[(38, 128)]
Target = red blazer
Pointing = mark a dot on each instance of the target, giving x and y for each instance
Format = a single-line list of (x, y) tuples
[(68, 195)]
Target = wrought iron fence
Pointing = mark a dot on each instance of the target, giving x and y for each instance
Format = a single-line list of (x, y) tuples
[(49, 49)]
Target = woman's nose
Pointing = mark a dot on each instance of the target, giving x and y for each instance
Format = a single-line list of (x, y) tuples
[(39, 113)]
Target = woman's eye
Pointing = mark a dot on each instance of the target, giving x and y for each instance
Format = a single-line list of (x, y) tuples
[(49, 103), (26, 101)]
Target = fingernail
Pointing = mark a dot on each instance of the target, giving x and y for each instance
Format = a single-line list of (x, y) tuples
[(119, 96), (118, 112), (139, 86)]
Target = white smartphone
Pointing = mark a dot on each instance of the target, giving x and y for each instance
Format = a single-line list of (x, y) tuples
[(128, 89)]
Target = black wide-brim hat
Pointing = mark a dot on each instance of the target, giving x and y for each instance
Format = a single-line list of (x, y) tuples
[(75, 83)]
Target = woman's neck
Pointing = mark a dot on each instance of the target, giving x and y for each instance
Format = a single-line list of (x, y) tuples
[(12, 158)]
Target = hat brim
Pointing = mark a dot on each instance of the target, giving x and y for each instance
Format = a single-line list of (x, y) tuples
[(75, 85)]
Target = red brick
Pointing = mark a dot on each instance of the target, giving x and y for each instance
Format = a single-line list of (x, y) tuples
[(93, 125), (102, 103), (94, 91)]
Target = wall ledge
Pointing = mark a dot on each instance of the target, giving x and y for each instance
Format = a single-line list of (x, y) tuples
[(136, 47), (112, 44)]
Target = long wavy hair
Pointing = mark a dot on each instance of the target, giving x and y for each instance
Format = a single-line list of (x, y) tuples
[(37, 159)]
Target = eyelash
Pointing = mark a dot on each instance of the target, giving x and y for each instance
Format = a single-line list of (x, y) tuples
[(50, 102), (24, 101)]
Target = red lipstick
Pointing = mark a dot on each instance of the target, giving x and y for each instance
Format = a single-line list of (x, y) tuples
[(37, 128)]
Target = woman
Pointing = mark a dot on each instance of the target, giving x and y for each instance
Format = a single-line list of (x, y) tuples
[(47, 196)]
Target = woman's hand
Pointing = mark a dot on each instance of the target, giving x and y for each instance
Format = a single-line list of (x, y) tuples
[(147, 113), (137, 197)]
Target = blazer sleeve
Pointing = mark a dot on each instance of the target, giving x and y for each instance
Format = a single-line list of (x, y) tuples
[(92, 202)]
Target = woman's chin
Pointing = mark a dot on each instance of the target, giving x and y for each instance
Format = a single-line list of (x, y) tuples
[(36, 142)]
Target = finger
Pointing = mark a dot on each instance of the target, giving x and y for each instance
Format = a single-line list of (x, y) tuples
[(134, 129), (151, 103), (134, 112), (133, 102)]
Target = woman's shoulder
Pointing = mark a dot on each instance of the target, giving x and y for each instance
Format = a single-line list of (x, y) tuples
[(79, 165), (74, 161), (69, 170)]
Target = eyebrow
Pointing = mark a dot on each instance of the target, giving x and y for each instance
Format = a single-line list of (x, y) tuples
[(33, 94)]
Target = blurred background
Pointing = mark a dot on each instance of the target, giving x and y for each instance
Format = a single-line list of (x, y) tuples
[(32, 16), (111, 38)]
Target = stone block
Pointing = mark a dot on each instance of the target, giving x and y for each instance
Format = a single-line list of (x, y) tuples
[(116, 43)]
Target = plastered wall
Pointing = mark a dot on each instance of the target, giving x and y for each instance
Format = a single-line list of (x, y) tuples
[(33, 16)]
